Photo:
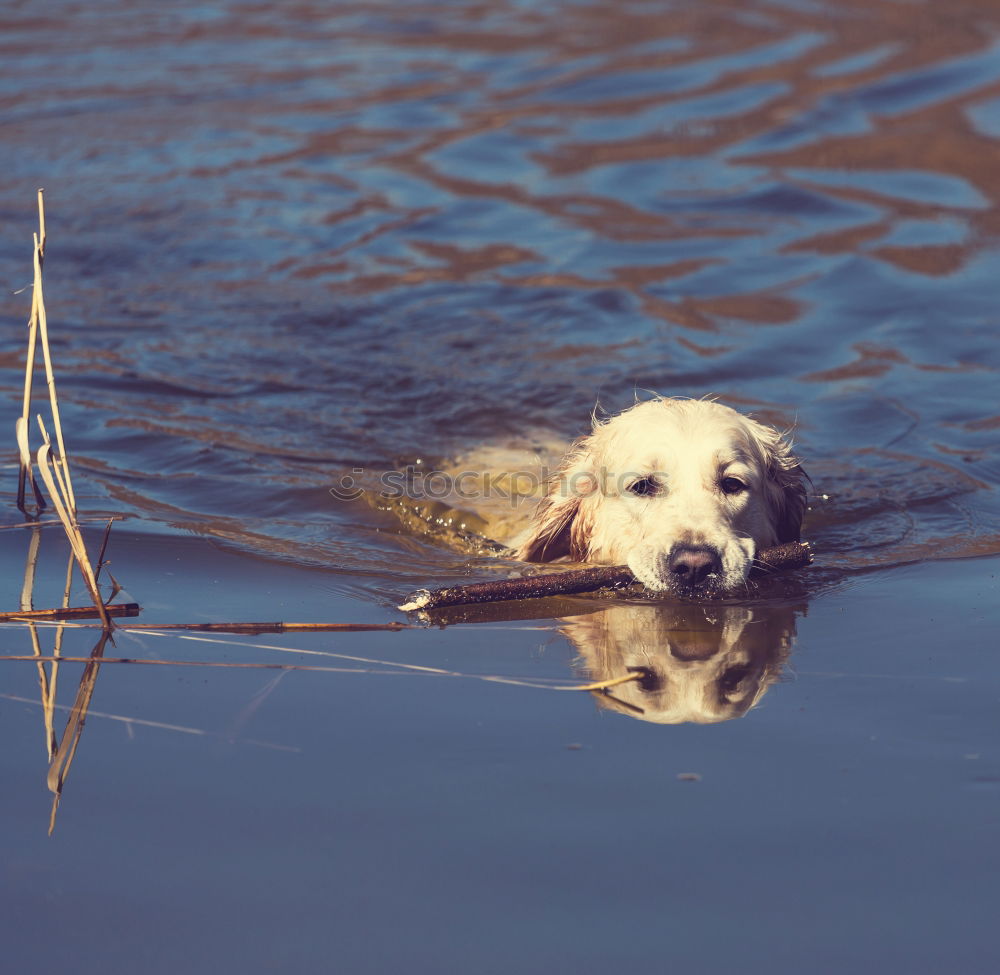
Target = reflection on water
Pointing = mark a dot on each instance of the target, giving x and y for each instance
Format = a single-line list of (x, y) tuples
[(664, 664), (62, 757), (46, 646), (695, 663), (660, 662)]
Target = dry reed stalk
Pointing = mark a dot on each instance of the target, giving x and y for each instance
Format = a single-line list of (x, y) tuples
[(54, 470), (24, 421), (50, 379), (25, 473), (56, 487)]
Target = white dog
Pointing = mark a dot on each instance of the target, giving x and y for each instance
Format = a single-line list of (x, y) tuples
[(684, 492)]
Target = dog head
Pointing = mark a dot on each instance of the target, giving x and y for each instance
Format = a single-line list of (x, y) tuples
[(684, 492)]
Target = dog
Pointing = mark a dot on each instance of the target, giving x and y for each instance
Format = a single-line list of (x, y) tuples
[(684, 492)]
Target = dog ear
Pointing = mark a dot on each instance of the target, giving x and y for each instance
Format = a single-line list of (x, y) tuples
[(559, 526), (786, 481), (790, 502)]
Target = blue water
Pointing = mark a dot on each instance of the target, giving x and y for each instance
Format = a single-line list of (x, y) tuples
[(286, 243)]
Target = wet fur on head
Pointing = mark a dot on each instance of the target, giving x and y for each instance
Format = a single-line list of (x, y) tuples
[(682, 491)]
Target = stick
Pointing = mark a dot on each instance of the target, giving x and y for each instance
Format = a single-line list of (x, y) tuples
[(793, 555), (104, 548), (70, 613), (275, 627), (132, 609)]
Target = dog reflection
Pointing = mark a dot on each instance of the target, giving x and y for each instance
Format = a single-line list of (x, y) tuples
[(696, 663)]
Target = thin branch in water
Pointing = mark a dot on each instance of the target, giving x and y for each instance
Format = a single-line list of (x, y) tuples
[(100, 555), (278, 627), (49, 522), (69, 613), (133, 609)]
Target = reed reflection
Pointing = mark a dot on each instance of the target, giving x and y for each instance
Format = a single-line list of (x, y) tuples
[(60, 749), (62, 758), (696, 663)]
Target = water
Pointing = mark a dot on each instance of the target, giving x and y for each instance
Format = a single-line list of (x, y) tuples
[(289, 243)]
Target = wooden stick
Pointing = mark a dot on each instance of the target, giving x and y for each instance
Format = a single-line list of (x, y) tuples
[(792, 555), (275, 627), (133, 609), (70, 613)]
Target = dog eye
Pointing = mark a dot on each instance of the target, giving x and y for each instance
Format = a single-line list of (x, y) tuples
[(642, 488), (733, 485)]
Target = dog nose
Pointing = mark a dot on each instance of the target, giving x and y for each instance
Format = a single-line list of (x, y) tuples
[(689, 565)]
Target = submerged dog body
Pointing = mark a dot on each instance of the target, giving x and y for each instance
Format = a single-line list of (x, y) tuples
[(684, 492)]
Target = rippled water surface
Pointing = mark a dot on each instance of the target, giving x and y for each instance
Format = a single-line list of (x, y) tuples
[(290, 244)]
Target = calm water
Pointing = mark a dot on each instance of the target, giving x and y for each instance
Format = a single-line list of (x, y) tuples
[(294, 243)]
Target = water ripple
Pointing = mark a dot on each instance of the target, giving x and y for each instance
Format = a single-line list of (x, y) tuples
[(290, 241)]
